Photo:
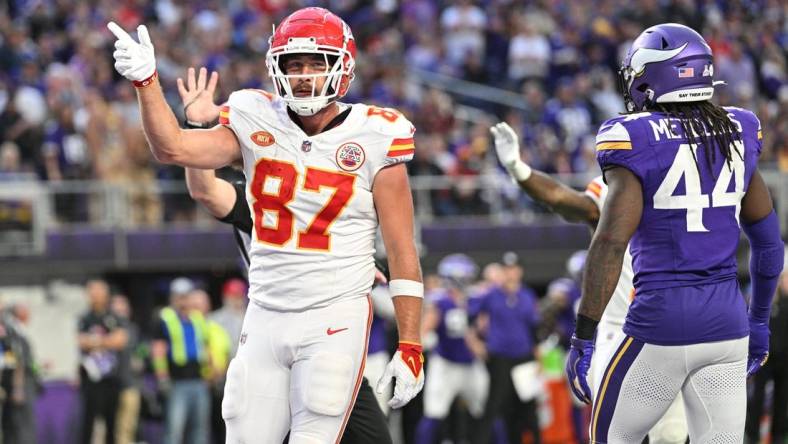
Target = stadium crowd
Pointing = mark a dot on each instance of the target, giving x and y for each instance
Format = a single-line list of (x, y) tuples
[(65, 114)]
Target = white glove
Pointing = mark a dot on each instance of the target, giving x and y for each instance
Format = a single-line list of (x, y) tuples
[(134, 61), (507, 148), (406, 369)]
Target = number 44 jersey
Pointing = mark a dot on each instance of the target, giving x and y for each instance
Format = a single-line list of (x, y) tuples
[(689, 229), (311, 198)]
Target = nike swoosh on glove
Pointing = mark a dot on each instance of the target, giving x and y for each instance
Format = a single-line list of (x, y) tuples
[(577, 365), (134, 61), (406, 369), (758, 347)]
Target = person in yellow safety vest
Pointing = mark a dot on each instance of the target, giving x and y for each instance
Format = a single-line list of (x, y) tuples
[(219, 344), (180, 349), (219, 349)]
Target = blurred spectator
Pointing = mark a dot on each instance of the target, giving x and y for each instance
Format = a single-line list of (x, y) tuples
[(130, 374), (737, 70), (179, 351), (215, 369), (23, 385), (529, 53), (507, 318), (775, 370), (463, 26), (102, 337), (231, 315)]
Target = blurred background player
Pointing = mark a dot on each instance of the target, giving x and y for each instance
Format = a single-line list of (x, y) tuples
[(682, 177), (129, 372), (452, 370), (505, 322), (564, 294), (227, 202)]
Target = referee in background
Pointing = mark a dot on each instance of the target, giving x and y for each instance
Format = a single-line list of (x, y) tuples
[(226, 201)]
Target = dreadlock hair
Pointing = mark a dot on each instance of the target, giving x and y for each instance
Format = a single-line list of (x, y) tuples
[(708, 124)]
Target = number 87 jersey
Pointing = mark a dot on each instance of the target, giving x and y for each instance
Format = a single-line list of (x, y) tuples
[(689, 229), (311, 198)]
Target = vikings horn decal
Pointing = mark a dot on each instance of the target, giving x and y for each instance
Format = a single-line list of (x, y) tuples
[(643, 56)]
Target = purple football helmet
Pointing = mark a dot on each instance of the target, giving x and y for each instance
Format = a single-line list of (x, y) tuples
[(667, 63), (457, 270)]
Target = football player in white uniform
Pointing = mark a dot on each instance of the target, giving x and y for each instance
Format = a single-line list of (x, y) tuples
[(576, 206), (320, 175)]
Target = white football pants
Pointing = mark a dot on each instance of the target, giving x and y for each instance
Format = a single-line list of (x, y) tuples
[(296, 371), (672, 426), (445, 380), (638, 383)]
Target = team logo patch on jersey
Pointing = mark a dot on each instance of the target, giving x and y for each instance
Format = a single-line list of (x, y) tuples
[(350, 156), (262, 138)]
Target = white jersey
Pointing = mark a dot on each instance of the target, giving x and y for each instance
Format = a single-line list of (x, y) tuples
[(311, 198), (616, 311)]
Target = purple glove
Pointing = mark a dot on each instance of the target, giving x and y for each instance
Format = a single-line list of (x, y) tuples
[(759, 346), (577, 366)]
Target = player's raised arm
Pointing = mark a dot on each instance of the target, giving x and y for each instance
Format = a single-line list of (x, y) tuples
[(210, 148), (216, 195), (572, 205), (394, 205)]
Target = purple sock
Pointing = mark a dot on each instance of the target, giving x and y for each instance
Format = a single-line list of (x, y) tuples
[(426, 431)]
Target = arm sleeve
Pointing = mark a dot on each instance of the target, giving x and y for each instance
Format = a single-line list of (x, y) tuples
[(766, 263), (239, 216)]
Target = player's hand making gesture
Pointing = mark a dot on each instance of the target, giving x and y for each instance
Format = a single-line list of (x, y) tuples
[(197, 96), (134, 61)]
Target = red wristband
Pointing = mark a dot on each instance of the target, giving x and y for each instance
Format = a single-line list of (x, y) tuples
[(411, 354), (146, 82)]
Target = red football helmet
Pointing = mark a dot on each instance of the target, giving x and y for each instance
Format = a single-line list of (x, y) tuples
[(312, 31)]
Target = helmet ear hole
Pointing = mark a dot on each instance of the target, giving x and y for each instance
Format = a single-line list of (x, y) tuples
[(642, 88)]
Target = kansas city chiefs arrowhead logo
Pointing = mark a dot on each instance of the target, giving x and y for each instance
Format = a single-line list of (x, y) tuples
[(350, 156)]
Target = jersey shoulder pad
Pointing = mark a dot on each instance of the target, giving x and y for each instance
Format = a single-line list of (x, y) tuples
[(616, 145), (614, 135), (388, 122), (246, 101), (747, 121), (395, 131)]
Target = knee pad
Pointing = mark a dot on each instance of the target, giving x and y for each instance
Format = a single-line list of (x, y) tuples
[(235, 389), (329, 384)]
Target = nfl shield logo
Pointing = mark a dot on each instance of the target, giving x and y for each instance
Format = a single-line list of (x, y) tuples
[(306, 146)]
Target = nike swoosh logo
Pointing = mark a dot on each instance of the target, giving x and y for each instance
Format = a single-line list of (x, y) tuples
[(412, 364), (331, 332)]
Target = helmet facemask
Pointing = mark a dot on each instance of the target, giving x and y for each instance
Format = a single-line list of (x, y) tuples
[(338, 74)]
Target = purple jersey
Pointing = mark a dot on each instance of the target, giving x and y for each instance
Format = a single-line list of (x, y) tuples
[(451, 331), (513, 318), (377, 335), (689, 230)]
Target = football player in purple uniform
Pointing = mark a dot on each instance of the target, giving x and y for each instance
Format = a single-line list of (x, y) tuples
[(683, 180)]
